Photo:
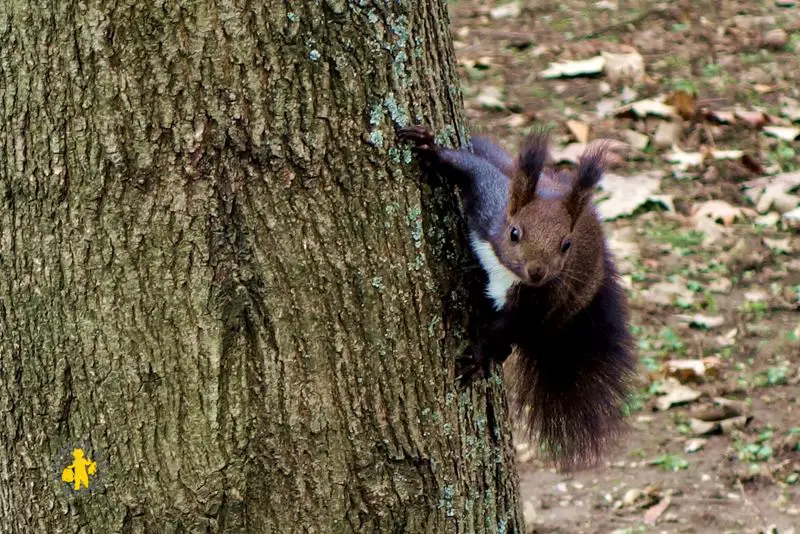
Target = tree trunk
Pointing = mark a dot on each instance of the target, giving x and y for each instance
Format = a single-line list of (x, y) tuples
[(221, 279)]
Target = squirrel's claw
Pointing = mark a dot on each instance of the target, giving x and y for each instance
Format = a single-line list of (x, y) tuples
[(470, 368), (421, 136)]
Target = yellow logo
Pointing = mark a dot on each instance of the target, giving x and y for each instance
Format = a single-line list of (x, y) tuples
[(78, 472)]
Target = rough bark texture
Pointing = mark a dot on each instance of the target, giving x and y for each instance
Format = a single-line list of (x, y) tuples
[(220, 275)]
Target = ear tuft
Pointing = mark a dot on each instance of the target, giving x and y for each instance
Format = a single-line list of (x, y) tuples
[(598, 155), (591, 167), (529, 167)]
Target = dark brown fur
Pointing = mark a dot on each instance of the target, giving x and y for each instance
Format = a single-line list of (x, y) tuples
[(567, 318)]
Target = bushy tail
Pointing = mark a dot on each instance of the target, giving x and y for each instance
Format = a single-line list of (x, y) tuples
[(571, 386)]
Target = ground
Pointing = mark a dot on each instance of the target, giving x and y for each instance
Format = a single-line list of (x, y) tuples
[(715, 299)]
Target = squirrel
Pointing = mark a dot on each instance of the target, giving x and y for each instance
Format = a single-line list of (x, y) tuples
[(553, 286)]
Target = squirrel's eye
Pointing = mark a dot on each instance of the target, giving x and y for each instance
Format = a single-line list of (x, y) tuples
[(514, 235), (565, 245)]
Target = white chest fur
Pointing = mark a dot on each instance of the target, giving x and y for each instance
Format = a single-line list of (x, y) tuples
[(500, 277)]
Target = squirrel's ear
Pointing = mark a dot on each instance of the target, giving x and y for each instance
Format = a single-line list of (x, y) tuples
[(529, 167), (591, 166)]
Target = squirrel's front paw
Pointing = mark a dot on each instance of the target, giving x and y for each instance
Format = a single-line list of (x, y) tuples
[(421, 136), (471, 366)]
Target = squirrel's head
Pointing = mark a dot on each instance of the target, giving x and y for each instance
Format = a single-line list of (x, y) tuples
[(545, 208)]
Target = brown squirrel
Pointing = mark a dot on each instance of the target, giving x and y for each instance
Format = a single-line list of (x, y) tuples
[(554, 289)]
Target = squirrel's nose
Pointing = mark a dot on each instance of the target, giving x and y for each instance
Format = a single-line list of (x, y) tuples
[(536, 273)]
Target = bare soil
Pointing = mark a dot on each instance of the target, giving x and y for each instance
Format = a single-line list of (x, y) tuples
[(745, 478)]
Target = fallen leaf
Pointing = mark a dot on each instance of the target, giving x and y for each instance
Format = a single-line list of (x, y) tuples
[(790, 108), (692, 370), (666, 293), (675, 393), (702, 428), (580, 130), (765, 190), (654, 512), (726, 154), (712, 232), (683, 102), (517, 120), (734, 407), (768, 220), (718, 210), (791, 219), (684, 160), (650, 106), (637, 140), (756, 295), (787, 133), (506, 11), (694, 445), (779, 246), (702, 321), (582, 67), (720, 116), (668, 134), (763, 89), (756, 119), (627, 67), (490, 97), (721, 285), (776, 39), (570, 153), (728, 338), (624, 194)]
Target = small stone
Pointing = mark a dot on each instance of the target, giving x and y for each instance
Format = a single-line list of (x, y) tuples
[(776, 39), (577, 485), (705, 477), (562, 487)]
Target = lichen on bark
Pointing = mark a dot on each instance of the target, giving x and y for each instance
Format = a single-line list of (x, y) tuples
[(214, 273)]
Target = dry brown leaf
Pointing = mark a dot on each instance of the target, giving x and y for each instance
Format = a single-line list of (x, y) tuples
[(650, 106), (721, 116), (580, 130), (719, 210), (570, 153), (683, 102), (692, 370), (701, 428), (675, 393), (654, 512), (756, 119), (623, 194)]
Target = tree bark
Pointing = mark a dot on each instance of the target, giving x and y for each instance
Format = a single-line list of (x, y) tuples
[(221, 278)]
